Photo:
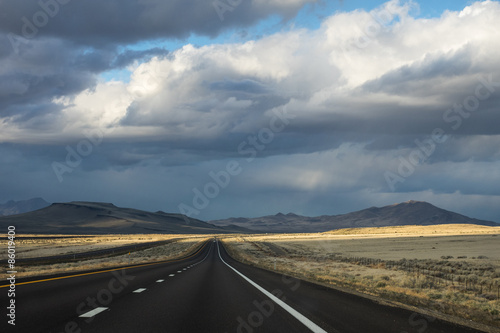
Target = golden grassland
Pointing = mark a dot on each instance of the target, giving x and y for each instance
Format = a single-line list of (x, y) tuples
[(454, 270), (32, 246), (451, 269), (182, 246)]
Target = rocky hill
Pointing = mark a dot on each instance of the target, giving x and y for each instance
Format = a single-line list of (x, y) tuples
[(18, 207), (406, 213), (106, 218)]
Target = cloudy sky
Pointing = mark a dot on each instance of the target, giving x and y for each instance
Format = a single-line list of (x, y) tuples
[(251, 107)]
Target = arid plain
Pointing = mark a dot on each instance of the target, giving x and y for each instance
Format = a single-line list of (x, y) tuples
[(34, 246), (448, 270)]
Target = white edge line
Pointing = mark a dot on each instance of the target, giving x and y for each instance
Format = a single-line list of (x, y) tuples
[(93, 312), (303, 319)]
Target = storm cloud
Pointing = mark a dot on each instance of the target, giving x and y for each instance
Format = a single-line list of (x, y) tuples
[(96, 23), (358, 98)]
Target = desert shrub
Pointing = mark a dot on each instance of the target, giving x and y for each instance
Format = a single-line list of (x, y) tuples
[(446, 257), (348, 277), (457, 297), (381, 284), (472, 277), (435, 296), (426, 284), (449, 270), (408, 282)]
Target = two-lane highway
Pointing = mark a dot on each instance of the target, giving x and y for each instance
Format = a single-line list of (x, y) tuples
[(207, 292)]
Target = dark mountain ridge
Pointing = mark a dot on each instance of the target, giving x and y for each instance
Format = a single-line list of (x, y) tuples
[(106, 218), (406, 213), (23, 206)]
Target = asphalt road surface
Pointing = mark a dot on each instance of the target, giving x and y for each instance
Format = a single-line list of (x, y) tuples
[(206, 292)]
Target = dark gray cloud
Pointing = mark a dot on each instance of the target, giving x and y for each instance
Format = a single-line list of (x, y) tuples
[(98, 23), (246, 86), (56, 48), (407, 79), (129, 56), (355, 112), (36, 75)]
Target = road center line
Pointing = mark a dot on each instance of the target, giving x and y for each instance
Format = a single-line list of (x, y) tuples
[(111, 270), (140, 290), (300, 317), (159, 281), (93, 312)]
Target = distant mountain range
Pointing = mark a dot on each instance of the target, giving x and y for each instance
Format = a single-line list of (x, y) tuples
[(18, 207), (106, 218), (406, 213)]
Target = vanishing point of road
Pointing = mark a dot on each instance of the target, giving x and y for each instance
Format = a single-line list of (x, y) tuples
[(205, 292)]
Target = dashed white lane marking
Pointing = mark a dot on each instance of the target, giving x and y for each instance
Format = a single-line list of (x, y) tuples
[(179, 271), (172, 275), (303, 319), (140, 290), (160, 280), (93, 312), (184, 269)]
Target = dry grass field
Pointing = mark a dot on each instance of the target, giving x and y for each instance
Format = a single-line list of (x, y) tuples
[(32, 246), (452, 269), (40, 246)]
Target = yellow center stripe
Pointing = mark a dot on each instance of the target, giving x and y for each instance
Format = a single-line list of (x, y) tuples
[(108, 270)]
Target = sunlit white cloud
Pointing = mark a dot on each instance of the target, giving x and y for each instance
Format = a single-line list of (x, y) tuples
[(361, 88)]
